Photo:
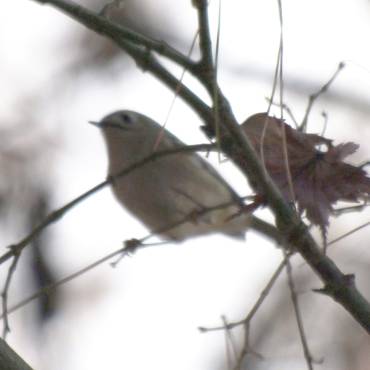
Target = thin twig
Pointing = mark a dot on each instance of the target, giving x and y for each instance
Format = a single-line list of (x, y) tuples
[(270, 102), (336, 240), (191, 217), (279, 77), (290, 114), (287, 109), (215, 83), (325, 125), (298, 315), (246, 349), (49, 288), (176, 93), (256, 306), (281, 59), (147, 62), (281, 98), (4, 294), (312, 99), (229, 344)]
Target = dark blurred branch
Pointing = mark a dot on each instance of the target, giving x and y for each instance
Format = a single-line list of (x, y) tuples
[(9, 360), (204, 36), (42, 273)]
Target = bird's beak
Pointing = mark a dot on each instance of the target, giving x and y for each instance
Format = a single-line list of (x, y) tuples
[(95, 123)]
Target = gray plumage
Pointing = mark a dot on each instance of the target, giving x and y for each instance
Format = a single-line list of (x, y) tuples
[(169, 189)]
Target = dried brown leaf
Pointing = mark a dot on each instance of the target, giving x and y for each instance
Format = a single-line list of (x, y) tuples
[(319, 176)]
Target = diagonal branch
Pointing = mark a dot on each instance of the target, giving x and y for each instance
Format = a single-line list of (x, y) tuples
[(339, 286), (140, 48), (313, 97), (116, 32), (16, 249)]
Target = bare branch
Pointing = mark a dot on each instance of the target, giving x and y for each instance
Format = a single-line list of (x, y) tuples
[(256, 306), (49, 288), (9, 360), (204, 35), (348, 233), (4, 294), (316, 95), (298, 315)]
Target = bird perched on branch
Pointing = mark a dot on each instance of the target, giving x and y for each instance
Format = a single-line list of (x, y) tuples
[(177, 196)]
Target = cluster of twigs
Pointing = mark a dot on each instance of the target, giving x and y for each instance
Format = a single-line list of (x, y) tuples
[(290, 231)]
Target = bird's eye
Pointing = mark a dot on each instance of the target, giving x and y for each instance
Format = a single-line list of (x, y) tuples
[(126, 118)]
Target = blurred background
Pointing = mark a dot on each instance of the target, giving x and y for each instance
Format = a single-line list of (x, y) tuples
[(144, 313)]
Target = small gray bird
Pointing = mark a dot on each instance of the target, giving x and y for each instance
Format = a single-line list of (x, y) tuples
[(171, 194)]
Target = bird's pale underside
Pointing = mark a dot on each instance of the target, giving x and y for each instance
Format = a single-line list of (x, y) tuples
[(175, 196)]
